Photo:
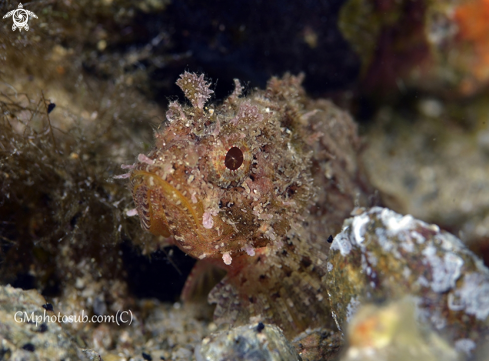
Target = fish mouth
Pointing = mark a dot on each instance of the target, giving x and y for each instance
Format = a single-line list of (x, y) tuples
[(162, 208), (165, 211)]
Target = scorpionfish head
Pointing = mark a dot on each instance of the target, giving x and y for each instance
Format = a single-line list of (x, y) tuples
[(224, 181)]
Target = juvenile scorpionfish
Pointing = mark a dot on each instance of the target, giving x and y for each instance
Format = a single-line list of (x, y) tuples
[(255, 186)]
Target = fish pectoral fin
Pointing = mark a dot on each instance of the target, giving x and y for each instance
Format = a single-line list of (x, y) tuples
[(203, 277)]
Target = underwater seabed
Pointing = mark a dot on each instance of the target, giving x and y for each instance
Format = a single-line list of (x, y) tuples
[(91, 87)]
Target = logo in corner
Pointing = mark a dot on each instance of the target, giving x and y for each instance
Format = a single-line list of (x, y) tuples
[(20, 17)]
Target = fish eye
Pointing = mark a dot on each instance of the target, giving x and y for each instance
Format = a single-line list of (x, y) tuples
[(229, 164), (234, 158)]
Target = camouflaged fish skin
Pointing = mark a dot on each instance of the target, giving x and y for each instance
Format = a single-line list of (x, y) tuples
[(255, 186)]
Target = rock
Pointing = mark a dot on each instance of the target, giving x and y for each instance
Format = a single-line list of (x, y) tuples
[(248, 343), (383, 255)]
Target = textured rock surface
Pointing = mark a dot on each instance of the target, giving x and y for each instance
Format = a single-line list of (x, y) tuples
[(382, 255), (255, 342), (22, 339), (158, 330)]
